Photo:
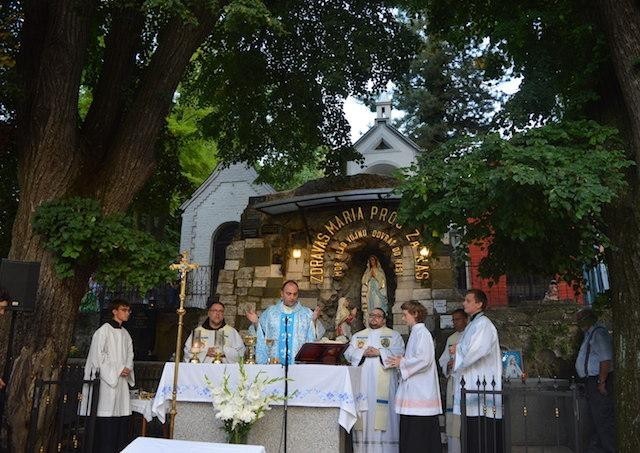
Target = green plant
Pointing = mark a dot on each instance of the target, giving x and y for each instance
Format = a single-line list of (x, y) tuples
[(79, 235)]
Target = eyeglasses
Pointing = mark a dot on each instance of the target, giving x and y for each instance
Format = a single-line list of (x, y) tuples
[(376, 316)]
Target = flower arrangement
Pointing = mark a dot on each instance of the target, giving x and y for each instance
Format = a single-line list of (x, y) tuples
[(240, 407)]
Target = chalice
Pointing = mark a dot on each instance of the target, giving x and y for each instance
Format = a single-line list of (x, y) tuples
[(196, 348), (272, 359), (250, 343)]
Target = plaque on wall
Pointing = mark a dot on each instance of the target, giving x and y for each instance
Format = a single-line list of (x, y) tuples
[(440, 306)]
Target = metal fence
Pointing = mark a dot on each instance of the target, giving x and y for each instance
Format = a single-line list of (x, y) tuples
[(74, 401), (162, 297), (548, 415)]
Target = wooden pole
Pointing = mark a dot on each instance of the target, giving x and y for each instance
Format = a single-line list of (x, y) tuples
[(183, 267)]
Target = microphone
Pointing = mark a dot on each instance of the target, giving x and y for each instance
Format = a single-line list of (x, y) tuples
[(286, 379)]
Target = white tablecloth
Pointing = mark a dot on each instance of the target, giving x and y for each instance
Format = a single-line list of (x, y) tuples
[(142, 407), (153, 445), (314, 386)]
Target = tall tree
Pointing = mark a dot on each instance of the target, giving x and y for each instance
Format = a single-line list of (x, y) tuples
[(578, 60), (279, 70), (448, 91)]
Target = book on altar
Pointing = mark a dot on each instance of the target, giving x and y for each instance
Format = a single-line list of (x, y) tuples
[(326, 353)]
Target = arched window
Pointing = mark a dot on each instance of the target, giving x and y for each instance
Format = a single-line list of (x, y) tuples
[(221, 239)]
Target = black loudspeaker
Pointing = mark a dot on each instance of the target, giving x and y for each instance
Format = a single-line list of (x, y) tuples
[(20, 279)]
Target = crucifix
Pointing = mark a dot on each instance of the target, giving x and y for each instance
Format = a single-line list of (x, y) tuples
[(183, 267)]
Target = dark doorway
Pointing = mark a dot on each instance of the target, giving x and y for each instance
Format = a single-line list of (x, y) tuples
[(221, 239)]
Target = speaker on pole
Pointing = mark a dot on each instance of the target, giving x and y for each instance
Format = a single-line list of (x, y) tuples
[(20, 279)]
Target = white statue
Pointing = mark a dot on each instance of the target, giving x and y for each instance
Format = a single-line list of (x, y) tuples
[(374, 287), (343, 320)]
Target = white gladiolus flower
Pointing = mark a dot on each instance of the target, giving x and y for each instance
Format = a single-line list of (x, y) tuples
[(243, 404)]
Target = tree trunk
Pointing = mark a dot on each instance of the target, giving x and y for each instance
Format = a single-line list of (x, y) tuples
[(56, 154), (622, 22)]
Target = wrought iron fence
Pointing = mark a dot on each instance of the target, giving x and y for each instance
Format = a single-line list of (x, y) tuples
[(523, 417), (162, 297), (74, 401)]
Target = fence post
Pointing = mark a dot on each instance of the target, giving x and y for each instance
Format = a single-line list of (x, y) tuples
[(463, 415), (90, 426), (506, 418), (577, 432)]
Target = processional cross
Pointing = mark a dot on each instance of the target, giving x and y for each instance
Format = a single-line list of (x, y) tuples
[(183, 267)]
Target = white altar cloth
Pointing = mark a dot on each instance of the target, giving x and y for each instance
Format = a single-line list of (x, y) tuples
[(314, 386), (154, 445)]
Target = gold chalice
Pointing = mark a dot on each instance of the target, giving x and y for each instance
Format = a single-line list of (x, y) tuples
[(196, 348), (250, 343), (272, 359)]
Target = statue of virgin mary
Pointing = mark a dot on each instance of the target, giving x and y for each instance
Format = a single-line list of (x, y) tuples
[(374, 286)]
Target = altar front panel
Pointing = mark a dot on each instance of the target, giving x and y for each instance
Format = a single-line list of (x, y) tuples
[(310, 429)]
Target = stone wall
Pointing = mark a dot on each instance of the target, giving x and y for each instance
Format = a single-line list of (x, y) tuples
[(545, 332)]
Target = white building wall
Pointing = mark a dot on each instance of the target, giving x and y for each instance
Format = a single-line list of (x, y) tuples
[(221, 199)]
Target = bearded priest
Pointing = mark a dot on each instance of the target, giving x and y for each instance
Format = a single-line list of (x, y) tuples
[(370, 348)]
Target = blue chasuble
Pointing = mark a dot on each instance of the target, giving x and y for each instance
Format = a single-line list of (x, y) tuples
[(279, 325)]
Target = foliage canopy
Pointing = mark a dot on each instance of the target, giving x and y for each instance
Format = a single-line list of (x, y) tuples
[(539, 196)]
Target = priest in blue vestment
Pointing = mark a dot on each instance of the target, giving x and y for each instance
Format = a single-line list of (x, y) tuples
[(288, 318)]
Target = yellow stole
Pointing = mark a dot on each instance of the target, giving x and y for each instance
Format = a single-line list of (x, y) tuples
[(383, 379)]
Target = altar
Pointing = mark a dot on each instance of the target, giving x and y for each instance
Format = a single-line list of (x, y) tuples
[(324, 399)]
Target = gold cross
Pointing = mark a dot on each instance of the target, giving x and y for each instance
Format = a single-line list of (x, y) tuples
[(184, 267)]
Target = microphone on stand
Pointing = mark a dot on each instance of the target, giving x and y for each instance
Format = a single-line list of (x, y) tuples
[(286, 377)]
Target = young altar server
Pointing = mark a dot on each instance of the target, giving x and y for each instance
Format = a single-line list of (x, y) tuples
[(111, 353), (370, 348), (418, 396), (217, 338)]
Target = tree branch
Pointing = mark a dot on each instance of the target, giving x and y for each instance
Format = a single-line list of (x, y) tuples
[(130, 160), (110, 94)]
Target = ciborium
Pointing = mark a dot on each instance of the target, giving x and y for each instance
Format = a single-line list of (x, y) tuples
[(250, 355), (217, 355)]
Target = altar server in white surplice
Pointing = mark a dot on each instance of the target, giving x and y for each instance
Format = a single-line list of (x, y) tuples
[(418, 396), (111, 353), (370, 348), (286, 319), (215, 337), (478, 360)]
